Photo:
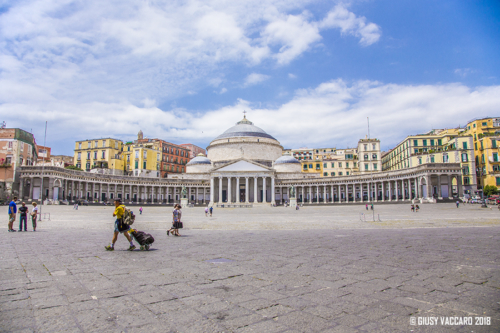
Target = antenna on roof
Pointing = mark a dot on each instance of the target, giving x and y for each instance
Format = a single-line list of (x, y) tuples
[(244, 114)]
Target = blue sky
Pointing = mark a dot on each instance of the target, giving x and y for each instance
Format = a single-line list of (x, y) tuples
[(308, 72)]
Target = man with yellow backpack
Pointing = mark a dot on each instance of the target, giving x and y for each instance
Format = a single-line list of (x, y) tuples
[(120, 226)]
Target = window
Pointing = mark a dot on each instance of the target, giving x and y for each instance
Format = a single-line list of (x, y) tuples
[(482, 158), (79, 145), (144, 165), (481, 145), (374, 146), (415, 143), (495, 157), (466, 170), (144, 154), (88, 155), (464, 145), (136, 154), (128, 148), (365, 147), (374, 166), (432, 159), (305, 166), (318, 166), (333, 165), (116, 145), (498, 181), (325, 165), (374, 156), (128, 158), (419, 161), (340, 173), (493, 143), (103, 154), (475, 146), (484, 124), (465, 158), (137, 164), (340, 164), (310, 166), (353, 164), (466, 180), (475, 137), (416, 151), (182, 153), (346, 164), (474, 125), (104, 143), (157, 157), (79, 156), (440, 142), (366, 157), (424, 142), (332, 173), (366, 166), (445, 159), (325, 174), (432, 142), (347, 173)]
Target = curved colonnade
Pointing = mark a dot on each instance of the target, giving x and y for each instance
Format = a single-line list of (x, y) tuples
[(422, 182)]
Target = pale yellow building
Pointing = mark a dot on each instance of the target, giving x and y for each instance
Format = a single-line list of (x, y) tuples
[(143, 159), (99, 155), (485, 133), (436, 146), (337, 162)]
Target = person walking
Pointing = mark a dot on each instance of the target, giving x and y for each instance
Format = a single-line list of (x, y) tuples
[(23, 217), (211, 210), (140, 211), (412, 208), (34, 213), (206, 211), (371, 207), (366, 206), (120, 227), (12, 214), (458, 203), (176, 219)]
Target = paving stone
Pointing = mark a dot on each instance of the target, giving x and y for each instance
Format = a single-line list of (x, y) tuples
[(339, 275)]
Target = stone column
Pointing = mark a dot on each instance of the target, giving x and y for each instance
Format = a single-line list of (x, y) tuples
[(229, 190), (439, 187), (389, 188), (331, 193), (417, 190), (272, 191), (219, 199), (310, 194), (429, 188), (211, 191), (396, 189), (51, 188), (246, 190), (450, 187), (409, 189), (460, 188), (21, 188), (255, 189), (238, 189), (303, 198), (383, 191), (324, 194), (32, 182), (264, 196)]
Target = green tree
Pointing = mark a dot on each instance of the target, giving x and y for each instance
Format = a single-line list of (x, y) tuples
[(490, 190), (72, 167)]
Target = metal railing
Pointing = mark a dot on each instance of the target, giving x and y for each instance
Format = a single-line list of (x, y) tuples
[(234, 205)]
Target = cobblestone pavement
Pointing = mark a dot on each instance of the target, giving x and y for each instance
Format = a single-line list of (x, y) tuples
[(362, 277)]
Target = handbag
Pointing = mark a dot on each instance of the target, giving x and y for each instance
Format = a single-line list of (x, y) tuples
[(178, 225)]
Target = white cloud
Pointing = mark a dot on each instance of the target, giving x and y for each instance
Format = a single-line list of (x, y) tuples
[(255, 78), (222, 91), (111, 51), (331, 114), (292, 76), (348, 23), (463, 72)]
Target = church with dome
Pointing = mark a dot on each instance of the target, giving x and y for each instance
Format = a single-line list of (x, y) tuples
[(244, 167)]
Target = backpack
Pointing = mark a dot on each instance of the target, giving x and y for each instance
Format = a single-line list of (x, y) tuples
[(128, 216)]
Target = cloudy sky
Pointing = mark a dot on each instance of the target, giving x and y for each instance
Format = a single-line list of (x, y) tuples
[(309, 72)]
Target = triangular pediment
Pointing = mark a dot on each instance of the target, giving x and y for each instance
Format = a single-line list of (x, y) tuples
[(243, 166)]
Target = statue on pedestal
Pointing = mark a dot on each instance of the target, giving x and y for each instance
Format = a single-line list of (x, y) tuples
[(292, 191), (184, 192)]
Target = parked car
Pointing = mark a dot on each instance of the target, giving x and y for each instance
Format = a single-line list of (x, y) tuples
[(476, 201)]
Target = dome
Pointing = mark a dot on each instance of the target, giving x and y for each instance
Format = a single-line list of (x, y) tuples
[(244, 128), (199, 159), (286, 159)]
